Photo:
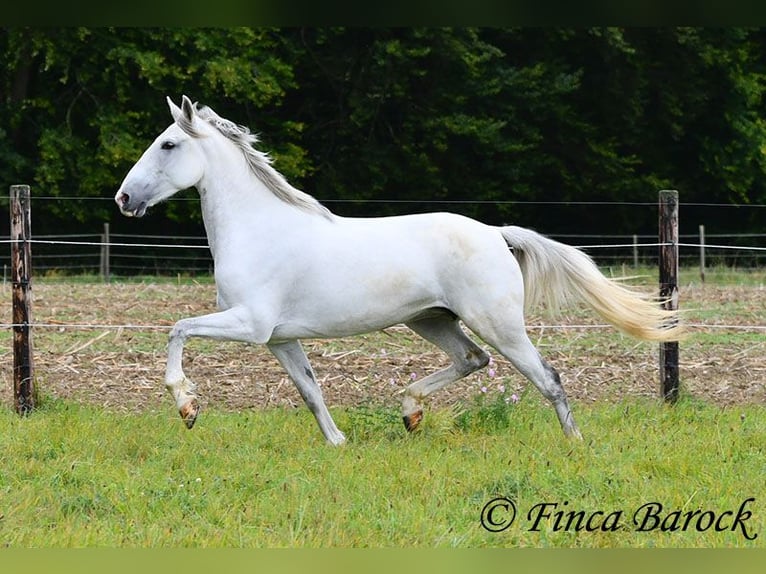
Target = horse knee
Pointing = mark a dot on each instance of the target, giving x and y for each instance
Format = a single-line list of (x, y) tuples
[(179, 332)]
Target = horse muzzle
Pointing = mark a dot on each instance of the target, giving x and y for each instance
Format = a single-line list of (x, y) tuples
[(128, 206)]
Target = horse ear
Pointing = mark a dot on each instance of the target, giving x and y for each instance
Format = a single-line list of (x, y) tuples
[(187, 107), (175, 111)]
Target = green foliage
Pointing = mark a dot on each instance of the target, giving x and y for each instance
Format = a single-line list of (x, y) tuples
[(490, 410), (352, 114)]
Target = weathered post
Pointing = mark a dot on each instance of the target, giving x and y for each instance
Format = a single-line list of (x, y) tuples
[(668, 256), (21, 269), (635, 251), (702, 253), (105, 254)]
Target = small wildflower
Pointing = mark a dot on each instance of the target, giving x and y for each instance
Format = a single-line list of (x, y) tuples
[(491, 373), (514, 398), (501, 389), (484, 389), (413, 376), (392, 381)]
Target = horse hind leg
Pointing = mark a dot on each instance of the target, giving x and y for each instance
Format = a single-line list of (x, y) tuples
[(443, 331), (549, 384), (522, 353)]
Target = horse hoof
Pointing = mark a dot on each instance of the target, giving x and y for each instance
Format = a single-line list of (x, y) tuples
[(189, 413), (412, 421)]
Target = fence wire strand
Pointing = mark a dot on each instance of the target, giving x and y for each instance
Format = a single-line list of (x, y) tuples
[(700, 326), (205, 246)]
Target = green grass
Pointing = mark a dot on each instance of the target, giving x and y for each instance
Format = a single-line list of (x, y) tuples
[(74, 476)]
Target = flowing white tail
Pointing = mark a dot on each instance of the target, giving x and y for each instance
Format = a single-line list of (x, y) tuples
[(557, 275)]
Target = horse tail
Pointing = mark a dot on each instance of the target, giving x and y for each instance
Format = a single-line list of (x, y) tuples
[(558, 275)]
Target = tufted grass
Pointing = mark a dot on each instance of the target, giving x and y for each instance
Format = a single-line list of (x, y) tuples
[(74, 475)]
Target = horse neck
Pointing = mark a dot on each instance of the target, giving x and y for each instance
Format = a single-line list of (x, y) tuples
[(238, 208)]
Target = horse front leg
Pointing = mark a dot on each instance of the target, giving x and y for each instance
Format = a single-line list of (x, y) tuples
[(176, 382), (233, 324), (292, 357)]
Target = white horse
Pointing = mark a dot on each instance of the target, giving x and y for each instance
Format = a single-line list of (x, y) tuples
[(286, 269)]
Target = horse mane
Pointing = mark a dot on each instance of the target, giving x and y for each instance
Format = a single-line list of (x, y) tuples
[(259, 162)]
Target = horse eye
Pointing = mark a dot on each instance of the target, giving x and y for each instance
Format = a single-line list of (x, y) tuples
[(168, 145)]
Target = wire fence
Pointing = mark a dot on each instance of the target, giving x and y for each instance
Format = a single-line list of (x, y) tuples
[(122, 254), (536, 326), (108, 254), (194, 250), (134, 254)]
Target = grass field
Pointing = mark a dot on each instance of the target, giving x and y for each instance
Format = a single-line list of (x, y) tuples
[(77, 476), (105, 461)]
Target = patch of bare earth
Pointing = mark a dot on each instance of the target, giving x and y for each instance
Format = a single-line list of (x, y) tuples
[(120, 366)]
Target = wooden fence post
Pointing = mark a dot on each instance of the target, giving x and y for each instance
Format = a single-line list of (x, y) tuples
[(668, 256), (21, 270), (635, 251), (105, 255), (702, 253)]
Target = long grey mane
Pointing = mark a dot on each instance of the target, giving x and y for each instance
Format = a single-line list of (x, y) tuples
[(259, 162)]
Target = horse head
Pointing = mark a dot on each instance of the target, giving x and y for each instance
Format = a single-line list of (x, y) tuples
[(171, 163)]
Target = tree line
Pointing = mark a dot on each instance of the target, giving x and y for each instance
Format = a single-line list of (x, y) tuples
[(534, 126)]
